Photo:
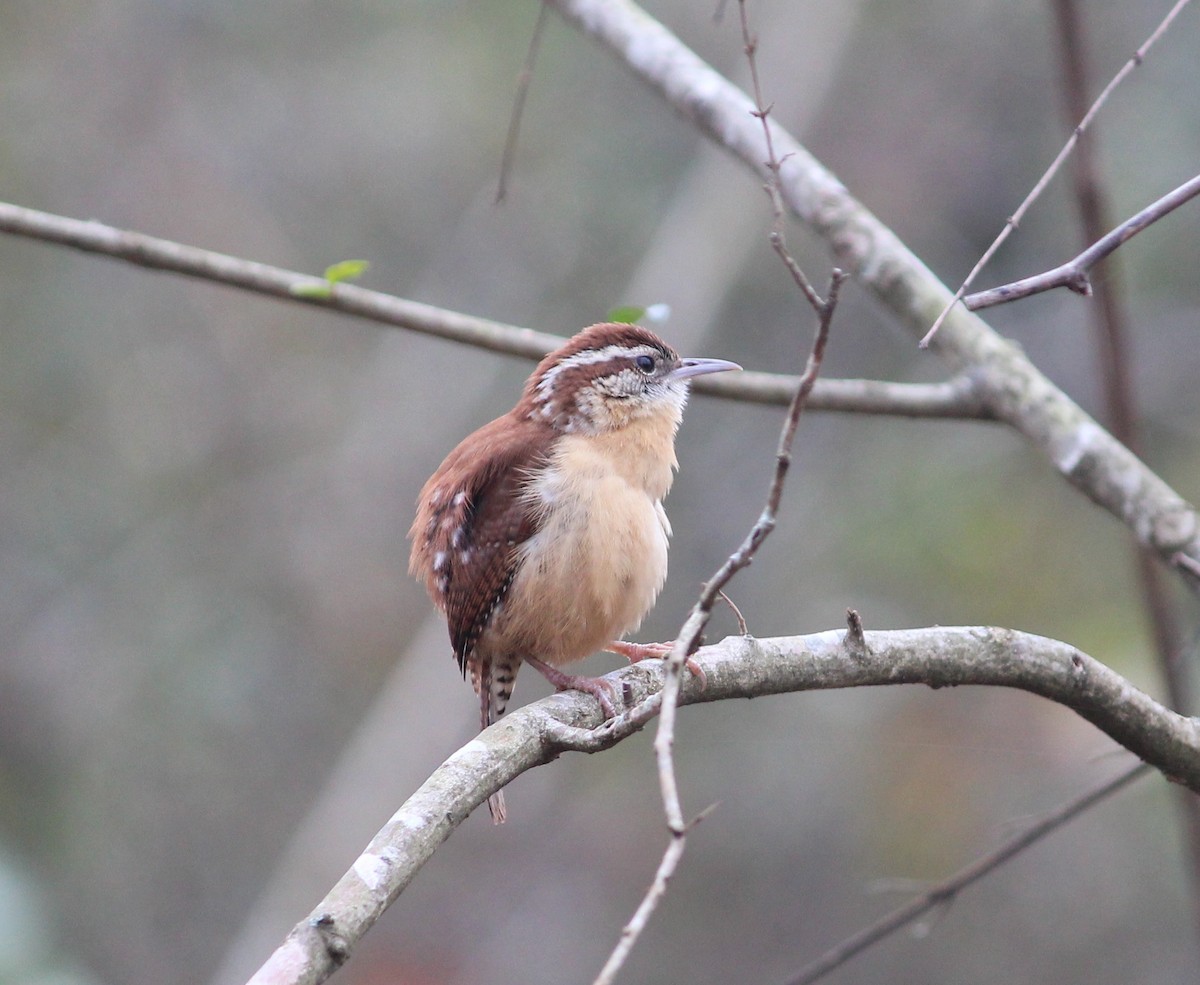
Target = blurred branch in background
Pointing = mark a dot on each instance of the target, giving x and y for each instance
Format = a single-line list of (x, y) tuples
[(1110, 323), (945, 892), (514, 122), (955, 398), (741, 667)]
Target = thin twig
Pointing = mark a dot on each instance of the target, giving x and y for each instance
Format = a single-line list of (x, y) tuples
[(1187, 563), (945, 892), (1074, 273), (664, 703), (688, 640), (518, 110), (854, 640), (743, 629), (957, 398), (633, 930), (773, 164), (1015, 219)]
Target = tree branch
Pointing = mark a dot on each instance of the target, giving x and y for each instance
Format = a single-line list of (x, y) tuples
[(956, 398), (1034, 193), (260, 278), (944, 892), (1074, 273), (1012, 388), (518, 110), (738, 667)]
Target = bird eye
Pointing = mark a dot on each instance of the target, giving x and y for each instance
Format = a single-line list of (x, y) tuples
[(645, 363)]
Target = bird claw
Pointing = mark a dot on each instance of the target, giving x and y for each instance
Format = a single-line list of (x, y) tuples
[(600, 688), (610, 693), (637, 652)]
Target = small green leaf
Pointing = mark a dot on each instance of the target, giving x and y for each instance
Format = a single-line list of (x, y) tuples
[(334, 274), (625, 315), (346, 270)]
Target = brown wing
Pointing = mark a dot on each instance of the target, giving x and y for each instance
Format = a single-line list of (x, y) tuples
[(467, 529)]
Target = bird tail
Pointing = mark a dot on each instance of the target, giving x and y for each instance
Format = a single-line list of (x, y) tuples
[(493, 681)]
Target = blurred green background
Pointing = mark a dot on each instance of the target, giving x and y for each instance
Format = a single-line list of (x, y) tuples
[(217, 678)]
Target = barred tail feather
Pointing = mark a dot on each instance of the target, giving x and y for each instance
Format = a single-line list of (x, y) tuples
[(493, 682)]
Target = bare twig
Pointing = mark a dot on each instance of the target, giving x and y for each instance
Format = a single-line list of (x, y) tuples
[(855, 641), (743, 629), (514, 121), (773, 164), (277, 282), (945, 892), (689, 637), (1074, 273), (1015, 219), (664, 703), (641, 916), (956, 398), (1188, 563)]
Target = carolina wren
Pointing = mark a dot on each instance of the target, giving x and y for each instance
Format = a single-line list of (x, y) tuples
[(542, 536)]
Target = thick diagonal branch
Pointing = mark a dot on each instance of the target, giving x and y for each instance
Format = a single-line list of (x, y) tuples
[(739, 667), (1012, 387)]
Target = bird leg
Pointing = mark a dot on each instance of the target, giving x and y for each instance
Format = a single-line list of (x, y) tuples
[(600, 689), (637, 652)]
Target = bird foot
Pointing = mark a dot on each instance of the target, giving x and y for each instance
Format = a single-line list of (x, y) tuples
[(602, 690), (637, 652)]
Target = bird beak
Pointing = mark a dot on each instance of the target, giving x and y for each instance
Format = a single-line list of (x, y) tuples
[(699, 367)]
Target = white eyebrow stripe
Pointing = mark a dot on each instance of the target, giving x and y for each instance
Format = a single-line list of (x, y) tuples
[(589, 357)]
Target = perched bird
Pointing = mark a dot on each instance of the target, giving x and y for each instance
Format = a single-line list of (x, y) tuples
[(542, 536)]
